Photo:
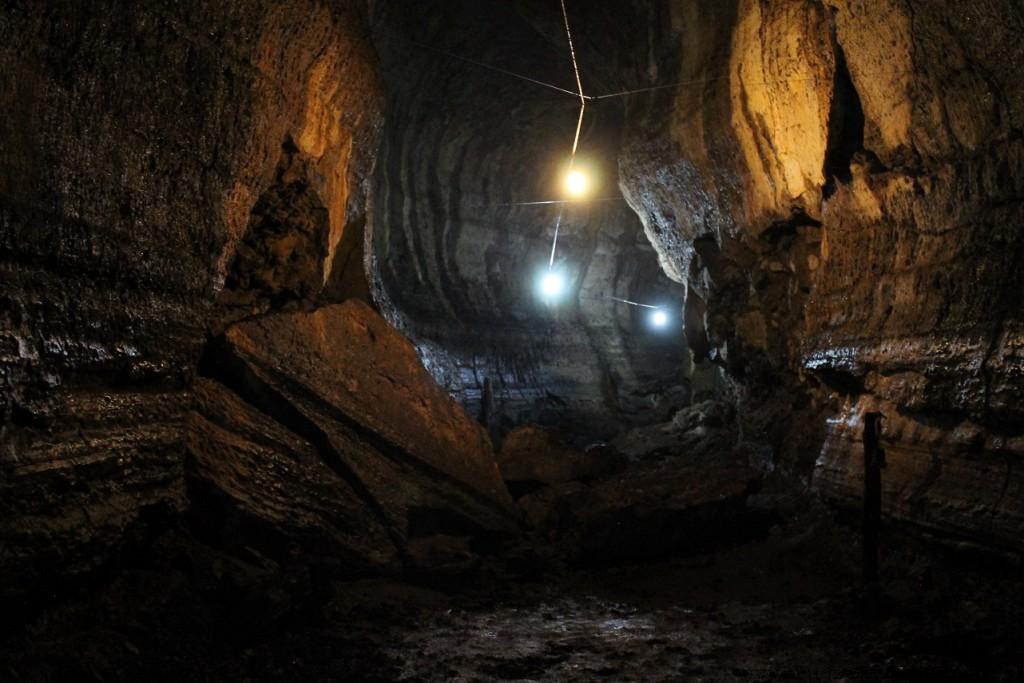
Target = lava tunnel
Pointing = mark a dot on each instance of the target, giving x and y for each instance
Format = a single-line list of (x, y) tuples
[(488, 340)]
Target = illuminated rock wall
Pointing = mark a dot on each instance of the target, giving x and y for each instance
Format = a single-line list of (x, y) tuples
[(841, 186), (136, 141)]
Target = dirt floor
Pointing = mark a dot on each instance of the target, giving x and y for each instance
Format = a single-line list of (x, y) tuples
[(783, 608)]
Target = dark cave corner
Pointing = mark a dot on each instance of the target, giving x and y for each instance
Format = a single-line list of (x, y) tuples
[(283, 398)]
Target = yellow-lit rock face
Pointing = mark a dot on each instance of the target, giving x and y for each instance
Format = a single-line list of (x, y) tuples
[(854, 225), (780, 82), (298, 95), (163, 125), (876, 38)]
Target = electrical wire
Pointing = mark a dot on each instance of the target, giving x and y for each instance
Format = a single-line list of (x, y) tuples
[(696, 81), (554, 242), (565, 201), (631, 303), (491, 67), (584, 98), (572, 53), (579, 125)]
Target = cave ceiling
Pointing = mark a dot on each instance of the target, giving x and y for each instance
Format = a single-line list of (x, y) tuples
[(458, 261)]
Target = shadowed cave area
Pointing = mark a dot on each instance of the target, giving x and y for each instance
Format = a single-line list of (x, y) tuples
[(315, 367)]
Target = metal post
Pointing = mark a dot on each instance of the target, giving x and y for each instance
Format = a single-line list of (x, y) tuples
[(874, 461)]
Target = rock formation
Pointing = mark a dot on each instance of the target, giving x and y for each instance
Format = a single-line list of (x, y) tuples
[(326, 426), (840, 189), (167, 172)]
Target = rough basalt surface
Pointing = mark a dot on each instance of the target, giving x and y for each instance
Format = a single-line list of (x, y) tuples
[(326, 424)]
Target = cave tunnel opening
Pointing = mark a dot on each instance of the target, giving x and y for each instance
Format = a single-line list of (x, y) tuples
[(483, 189), (316, 367)]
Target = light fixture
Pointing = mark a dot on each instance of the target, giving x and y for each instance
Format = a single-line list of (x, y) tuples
[(658, 318), (576, 184), (551, 285)]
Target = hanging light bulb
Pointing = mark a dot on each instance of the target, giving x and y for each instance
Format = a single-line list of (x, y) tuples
[(576, 184), (551, 285), (659, 318)]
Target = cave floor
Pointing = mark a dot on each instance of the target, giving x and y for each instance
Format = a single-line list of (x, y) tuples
[(783, 608)]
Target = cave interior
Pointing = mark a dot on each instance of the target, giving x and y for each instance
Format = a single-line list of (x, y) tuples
[(511, 340)]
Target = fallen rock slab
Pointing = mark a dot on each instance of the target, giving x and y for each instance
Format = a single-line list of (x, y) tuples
[(326, 426)]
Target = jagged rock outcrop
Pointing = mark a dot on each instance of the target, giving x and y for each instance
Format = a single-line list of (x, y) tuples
[(138, 141), (326, 425)]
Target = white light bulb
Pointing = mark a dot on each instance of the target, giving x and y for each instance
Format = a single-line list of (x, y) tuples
[(576, 183), (551, 284), (659, 318)]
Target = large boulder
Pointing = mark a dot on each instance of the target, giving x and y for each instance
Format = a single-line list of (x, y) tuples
[(324, 431), (529, 456)]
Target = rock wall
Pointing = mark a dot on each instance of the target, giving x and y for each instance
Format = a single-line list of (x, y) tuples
[(139, 144), (839, 185)]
